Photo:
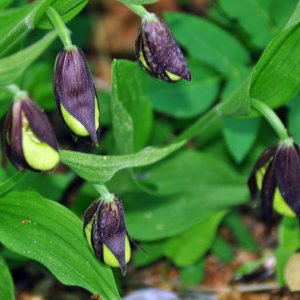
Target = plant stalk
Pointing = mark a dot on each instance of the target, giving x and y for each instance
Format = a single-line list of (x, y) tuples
[(59, 25), (272, 118), (104, 192)]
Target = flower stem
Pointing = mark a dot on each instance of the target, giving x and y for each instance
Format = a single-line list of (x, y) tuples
[(271, 117), (104, 192), (139, 10), (16, 91), (59, 25)]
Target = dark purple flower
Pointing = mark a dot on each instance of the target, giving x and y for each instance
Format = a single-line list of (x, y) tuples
[(75, 94), (105, 230), (28, 139), (158, 53), (276, 176)]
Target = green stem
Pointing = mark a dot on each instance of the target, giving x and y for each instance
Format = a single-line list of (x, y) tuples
[(140, 11), (271, 117), (104, 192), (59, 25), (16, 91), (200, 125)]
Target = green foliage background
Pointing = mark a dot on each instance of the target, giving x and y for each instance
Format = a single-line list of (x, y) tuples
[(202, 135)]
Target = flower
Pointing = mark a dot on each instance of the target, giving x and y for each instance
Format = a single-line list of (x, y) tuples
[(105, 230), (158, 53), (28, 139), (276, 175), (75, 94)]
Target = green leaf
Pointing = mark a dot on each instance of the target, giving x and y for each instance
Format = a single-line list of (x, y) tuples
[(191, 245), (15, 23), (222, 249), (184, 187), (12, 181), (68, 9), (194, 274), (240, 135), (281, 11), (13, 66), (260, 26), (152, 252), (137, 2), (241, 233), (192, 171), (185, 99), (6, 282), (5, 3), (49, 233), (276, 77), (131, 107), (205, 46), (249, 267), (96, 168), (293, 118), (289, 235)]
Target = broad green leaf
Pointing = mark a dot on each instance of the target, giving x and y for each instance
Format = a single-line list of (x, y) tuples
[(293, 118), (185, 99), (222, 249), (289, 236), (167, 216), (131, 107), (240, 135), (186, 248), (276, 77), (152, 252), (15, 23), (96, 168), (6, 282), (194, 274), (281, 11), (13, 66), (9, 183), (206, 44), (50, 186), (39, 84), (260, 26), (192, 171), (49, 233), (68, 9), (5, 3), (137, 2)]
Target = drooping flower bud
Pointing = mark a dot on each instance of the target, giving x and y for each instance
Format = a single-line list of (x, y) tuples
[(105, 230), (75, 94), (158, 53), (276, 175), (28, 139)]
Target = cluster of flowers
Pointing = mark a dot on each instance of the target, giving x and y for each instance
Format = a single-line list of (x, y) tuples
[(29, 141)]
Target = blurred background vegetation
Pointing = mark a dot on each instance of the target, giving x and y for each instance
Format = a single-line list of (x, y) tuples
[(192, 212)]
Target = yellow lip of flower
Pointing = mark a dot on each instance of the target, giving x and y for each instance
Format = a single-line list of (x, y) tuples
[(77, 127)]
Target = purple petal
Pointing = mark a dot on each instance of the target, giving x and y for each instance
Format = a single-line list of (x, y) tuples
[(39, 123), (163, 49), (74, 88), (268, 190), (287, 174), (263, 160)]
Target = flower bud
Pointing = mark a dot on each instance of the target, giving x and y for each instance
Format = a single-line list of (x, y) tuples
[(75, 94), (105, 230), (158, 53), (28, 139), (276, 175)]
